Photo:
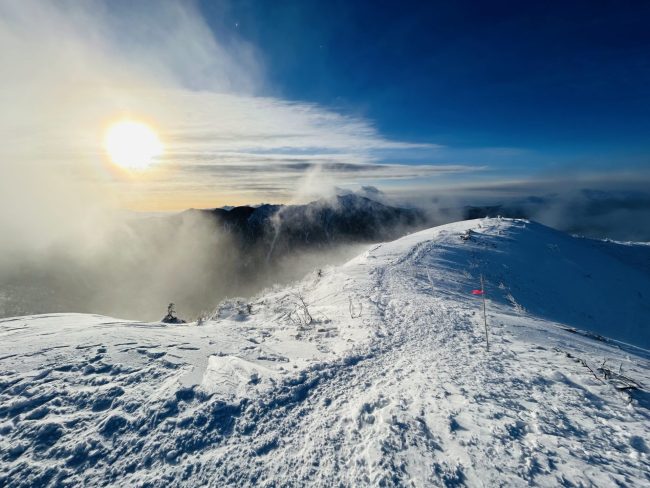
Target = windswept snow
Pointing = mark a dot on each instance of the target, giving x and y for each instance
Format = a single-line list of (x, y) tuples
[(403, 395)]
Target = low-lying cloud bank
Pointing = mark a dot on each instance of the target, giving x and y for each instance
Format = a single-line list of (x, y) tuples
[(607, 206), (149, 263), (596, 213), (196, 258)]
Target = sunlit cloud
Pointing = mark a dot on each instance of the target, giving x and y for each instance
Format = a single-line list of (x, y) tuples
[(73, 69)]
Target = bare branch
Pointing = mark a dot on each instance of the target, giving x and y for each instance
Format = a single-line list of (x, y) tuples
[(305, 318)]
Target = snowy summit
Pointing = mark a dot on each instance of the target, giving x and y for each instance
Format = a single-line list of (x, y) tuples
[(374, 373)]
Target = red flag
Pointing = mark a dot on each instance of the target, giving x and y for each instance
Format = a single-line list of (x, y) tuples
[(477, 292)]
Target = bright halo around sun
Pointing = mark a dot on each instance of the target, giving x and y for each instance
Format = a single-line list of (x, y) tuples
[(132, 145)]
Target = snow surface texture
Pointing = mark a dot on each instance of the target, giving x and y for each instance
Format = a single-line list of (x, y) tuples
[(389, 385)]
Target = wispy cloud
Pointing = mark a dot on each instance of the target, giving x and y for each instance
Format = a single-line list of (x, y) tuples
[(363, 170), (71, 68)]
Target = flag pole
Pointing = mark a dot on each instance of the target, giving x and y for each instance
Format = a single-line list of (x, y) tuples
[(487, 341)]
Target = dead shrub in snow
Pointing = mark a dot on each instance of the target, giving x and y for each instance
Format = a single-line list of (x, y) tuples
[(300, 315)]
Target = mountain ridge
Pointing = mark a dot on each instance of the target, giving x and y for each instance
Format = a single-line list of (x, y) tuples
[(323, 222), (375, 372)]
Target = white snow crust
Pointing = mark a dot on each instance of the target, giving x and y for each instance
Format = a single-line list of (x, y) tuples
[(390, 385)]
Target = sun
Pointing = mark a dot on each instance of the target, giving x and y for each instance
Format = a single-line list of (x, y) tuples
[(132, 145)]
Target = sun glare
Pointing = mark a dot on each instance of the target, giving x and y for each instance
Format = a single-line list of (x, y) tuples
[(132, 145)]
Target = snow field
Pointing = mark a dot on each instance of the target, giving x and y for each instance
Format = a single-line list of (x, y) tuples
[(390, 385)]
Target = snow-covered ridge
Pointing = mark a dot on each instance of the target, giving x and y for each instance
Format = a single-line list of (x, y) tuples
[(372, 373)]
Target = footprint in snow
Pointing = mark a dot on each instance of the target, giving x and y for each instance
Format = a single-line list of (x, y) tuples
[(151, 354)]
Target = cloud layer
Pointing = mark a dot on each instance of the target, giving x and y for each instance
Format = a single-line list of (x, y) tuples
[(73, 68)]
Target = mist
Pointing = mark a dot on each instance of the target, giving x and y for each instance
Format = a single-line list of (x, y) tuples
[(148, 262), (602, 206)]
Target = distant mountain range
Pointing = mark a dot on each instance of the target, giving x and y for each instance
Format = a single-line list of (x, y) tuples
[(321, 223)]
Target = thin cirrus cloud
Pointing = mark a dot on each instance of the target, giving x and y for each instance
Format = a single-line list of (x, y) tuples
[(271, 178), (72, 68)]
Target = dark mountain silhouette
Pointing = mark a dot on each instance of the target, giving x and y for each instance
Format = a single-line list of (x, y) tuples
[(280, 229)]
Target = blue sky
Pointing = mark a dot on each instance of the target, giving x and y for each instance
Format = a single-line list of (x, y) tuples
[(564, 82), (285, 101)]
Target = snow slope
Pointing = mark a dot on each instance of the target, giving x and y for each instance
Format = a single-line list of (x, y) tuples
[(404, 394)]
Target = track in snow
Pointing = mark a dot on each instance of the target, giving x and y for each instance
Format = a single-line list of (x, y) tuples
[(418, 402)]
